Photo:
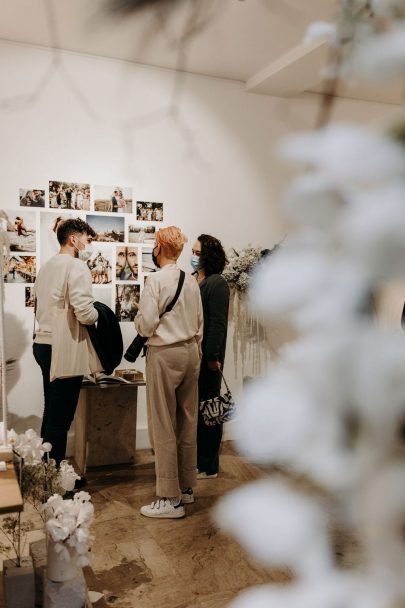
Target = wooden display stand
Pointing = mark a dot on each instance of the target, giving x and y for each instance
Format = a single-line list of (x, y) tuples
[(105, 425), (10, 495)]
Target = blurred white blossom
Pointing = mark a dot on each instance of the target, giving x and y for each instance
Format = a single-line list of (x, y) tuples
[(67, 476), (321, 30), (314, 199), (347, 153), (381, 58), (278, 526)]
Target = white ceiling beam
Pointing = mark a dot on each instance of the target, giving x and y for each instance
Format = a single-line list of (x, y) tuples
[(293, 73)]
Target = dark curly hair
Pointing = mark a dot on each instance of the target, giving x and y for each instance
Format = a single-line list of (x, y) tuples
[(213, 258), (73, 226)]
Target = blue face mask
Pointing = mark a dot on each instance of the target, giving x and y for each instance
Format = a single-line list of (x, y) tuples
[(195, 263)]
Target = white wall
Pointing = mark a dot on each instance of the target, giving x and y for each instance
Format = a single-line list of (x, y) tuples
[(212, 161)]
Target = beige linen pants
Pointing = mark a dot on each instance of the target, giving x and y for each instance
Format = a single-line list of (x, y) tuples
[(172, 402)]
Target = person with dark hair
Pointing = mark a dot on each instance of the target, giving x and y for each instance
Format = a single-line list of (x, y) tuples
[(62, 347), (208, 261)]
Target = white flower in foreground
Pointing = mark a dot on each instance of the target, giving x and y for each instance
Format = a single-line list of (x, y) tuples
[(277, 419), (378, 393), (29, 446), (372, 229), (320, 30), (314, 199), (278, 526), (67, 476), (382, 523), (388, 8), (333, 591), (381, 58), (347, 153), (308, 289)]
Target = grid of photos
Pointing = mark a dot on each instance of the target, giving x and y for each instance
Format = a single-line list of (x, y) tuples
[(100, 265), (126, 263), (141, 234), (29, 297), (109, 228), (121, 260), (20, 269), (32, 198), (127, 302), (149, 212), (69, 195), (109, 199)]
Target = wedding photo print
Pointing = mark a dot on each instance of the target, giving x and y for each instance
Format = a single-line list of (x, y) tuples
[(69, 195), (109, 228), (126, 263), (49, 223), (149, 212), (100, 265), (112, 199), (20, 269), (21, 229), (29, 297), (127, 302), (141, 234), (32, 198), (147, 262)]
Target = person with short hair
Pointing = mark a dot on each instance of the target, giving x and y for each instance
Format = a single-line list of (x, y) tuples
[(208, 261), (172, 368), (64, 280)]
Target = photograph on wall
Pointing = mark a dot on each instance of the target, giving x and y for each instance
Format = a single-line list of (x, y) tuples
[(100, 265), (69, 195), (141, 234), (21, 229), (20, 268), (113, 199), (127, 302), (147, 262), (48, 225), (109, 228), (33, 197), (29, 297), (149, 212), (126, 263)]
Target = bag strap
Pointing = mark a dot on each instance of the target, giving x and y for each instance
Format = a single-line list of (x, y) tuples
[(34, 333), (177, 294), (225, 382)]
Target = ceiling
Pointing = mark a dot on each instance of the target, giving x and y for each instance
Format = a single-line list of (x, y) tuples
[(238, 39), (256, 42)]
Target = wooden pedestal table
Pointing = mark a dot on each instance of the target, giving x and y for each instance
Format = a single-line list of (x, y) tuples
[(105, 425), (10, 495)]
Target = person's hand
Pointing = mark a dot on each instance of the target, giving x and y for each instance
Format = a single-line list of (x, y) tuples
[(214, 366)]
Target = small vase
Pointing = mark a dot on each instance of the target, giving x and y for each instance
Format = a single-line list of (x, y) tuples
[(19, 583), (60, 570)]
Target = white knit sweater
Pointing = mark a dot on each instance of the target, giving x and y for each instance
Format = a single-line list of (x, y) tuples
[(61, 270)]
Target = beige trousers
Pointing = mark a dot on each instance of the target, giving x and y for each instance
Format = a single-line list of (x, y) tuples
[(172, 401)]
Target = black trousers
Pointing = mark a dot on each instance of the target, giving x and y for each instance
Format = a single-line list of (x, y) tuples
[(208, 445), (61, 397)]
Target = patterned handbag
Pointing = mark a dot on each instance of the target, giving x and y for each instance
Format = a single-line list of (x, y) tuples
[(218, 409)]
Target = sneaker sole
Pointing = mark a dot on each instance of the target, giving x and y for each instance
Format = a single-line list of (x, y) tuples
[(175, 515), (207, 476)]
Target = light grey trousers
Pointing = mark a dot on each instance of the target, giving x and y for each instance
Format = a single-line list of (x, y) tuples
[(172, 406)]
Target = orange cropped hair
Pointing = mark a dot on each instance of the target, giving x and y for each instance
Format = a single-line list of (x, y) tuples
[(171, 240)]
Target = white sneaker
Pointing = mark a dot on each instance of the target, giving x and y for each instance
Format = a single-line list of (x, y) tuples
[(187, 496), (163, 508), (204, 475)]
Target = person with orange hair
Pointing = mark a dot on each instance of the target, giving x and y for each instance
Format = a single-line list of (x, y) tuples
[(172, 370)]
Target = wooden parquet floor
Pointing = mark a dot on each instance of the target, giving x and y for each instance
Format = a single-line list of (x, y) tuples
[(186, 563)]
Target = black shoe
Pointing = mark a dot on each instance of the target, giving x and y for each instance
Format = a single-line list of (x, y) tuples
[(80, 483)]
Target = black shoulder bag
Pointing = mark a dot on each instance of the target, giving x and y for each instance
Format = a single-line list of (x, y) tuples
[(139, 343)]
